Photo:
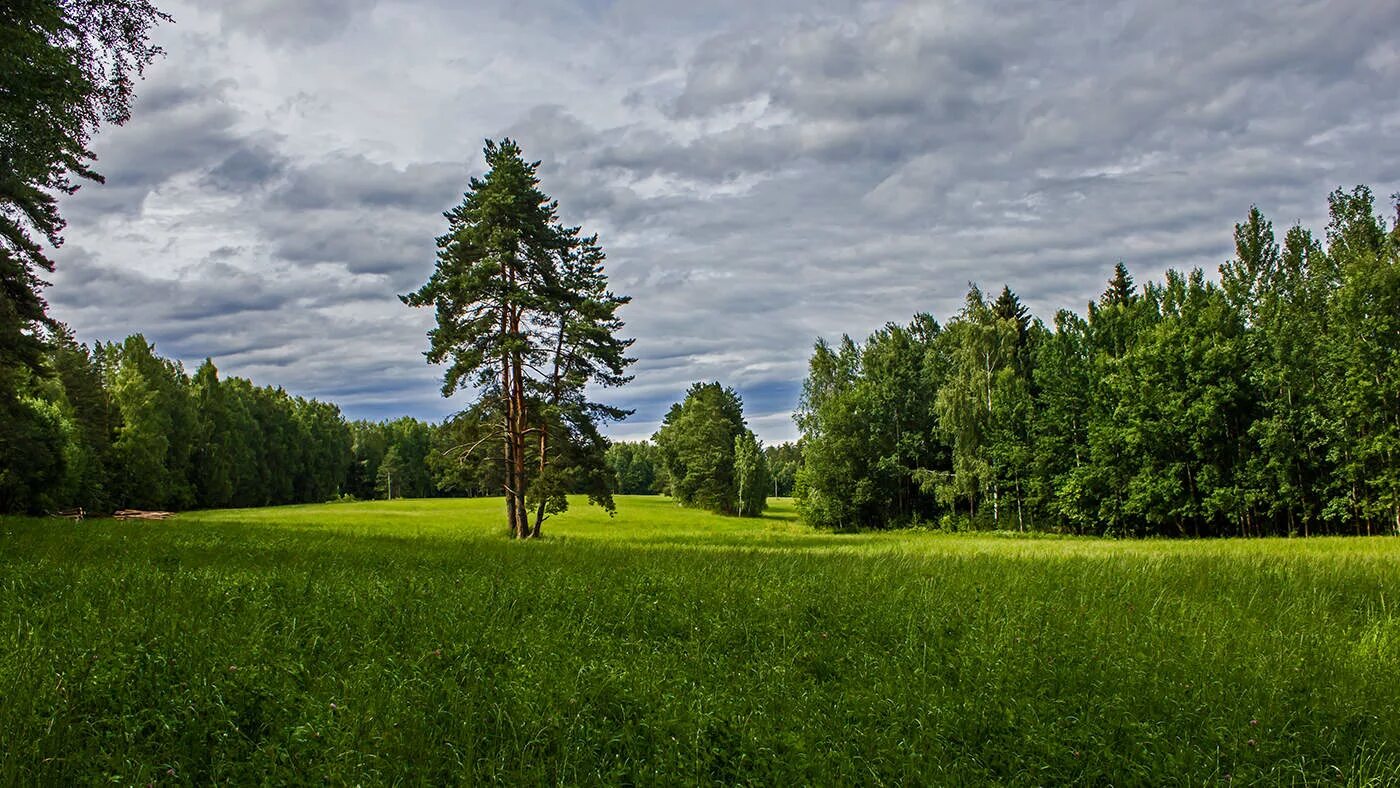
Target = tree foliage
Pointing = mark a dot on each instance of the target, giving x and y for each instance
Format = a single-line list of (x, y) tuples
[(871, 450), (751, 478), (1264, 403), (636, 468), (66, 67), (697, 445), (118, 426), (526, 321)]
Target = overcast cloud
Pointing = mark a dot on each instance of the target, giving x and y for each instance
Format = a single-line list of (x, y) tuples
[(761, 173)]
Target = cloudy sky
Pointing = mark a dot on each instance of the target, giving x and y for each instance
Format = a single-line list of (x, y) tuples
[(761, 172)]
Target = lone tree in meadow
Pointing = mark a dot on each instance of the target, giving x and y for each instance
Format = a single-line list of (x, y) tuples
[(526, 320)]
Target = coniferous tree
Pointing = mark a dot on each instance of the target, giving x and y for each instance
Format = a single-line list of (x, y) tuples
[(582, 324), (1114, 324), (524, 319)]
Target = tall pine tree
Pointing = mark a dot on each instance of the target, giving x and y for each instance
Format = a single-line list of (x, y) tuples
[(524, 319)]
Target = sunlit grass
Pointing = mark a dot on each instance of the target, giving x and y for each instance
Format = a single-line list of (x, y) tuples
[(410, 641)]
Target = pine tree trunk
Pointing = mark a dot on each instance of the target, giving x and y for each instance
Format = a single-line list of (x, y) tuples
[(544, 465), (508, 485), (522, 510)]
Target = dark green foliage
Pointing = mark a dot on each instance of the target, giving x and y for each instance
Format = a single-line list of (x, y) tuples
[(984, 409), (784, 460), (457, 461), (526, 321), (150, 455), (636, 468), (33, 462), (696, 444), (66, 67), (1266, 404), (1363, 366), (117, 426), (872, 455)]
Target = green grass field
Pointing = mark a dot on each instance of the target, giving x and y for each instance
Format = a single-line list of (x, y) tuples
[(410, 642)]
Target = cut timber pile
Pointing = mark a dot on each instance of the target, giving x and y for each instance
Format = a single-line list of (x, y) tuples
[(70, 514), (137, 514)]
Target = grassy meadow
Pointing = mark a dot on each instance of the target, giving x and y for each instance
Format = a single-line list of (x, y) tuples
[(411, 642)]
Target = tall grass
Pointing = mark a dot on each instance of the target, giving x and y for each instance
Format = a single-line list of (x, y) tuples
[(411, 642)]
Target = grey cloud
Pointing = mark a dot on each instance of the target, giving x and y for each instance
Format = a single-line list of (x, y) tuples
[(351, 180), (250, 166), (394, 244), (761, 173), (210, 290), (725, 71), (287, 22), (176, 129)]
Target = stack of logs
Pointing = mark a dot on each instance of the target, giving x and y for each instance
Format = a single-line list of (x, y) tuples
[(137, 514)]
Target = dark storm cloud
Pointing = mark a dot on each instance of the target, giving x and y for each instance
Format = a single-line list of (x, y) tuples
[(761, 173)]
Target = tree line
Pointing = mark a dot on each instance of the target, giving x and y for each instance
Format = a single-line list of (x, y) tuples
[(114, 425), (705, 456), (638, 469), (1266, 403)]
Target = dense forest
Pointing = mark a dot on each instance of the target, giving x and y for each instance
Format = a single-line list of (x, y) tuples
[(1266, 403), (115, 425)]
